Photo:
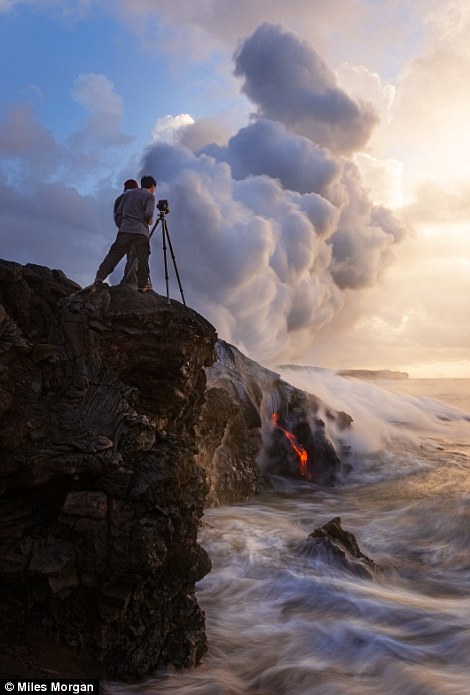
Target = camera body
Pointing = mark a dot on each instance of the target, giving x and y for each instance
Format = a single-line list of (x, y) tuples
[(163, 206)]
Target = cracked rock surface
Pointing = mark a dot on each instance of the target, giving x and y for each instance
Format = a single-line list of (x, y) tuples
[(101, 496)]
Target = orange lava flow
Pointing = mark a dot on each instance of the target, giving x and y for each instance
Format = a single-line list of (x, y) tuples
[(298, 448)]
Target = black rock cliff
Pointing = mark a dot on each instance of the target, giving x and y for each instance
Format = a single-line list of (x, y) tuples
[(100, 391)]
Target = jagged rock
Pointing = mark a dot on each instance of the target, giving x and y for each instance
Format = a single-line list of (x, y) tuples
[(86, 504), (99, 511), (227, 449), (237, 439), (54, 559), (337, 546)]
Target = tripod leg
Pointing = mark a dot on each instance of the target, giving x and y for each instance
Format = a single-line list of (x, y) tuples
[(154, 227), (165, 261), (129, 272), (167, 233)]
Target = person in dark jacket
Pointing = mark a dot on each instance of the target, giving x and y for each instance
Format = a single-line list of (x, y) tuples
[(132, 217)]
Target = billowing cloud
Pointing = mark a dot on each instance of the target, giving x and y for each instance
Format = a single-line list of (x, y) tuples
[(248, 251), (198, 134), (97, 95), (273, 227), (364, 236), (43, 217), (58, 227), (201, 26), (266, 147), (24, 138), (166, 129), (55, 224), (290, 83), (360, 83), (30, 152), (383, 179), (342, 31)]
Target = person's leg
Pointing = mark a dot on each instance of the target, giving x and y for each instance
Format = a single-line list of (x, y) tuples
[(142, 249), (116, 252), (130, 271)]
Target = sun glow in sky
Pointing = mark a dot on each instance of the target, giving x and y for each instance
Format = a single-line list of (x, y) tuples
[(316, 155)]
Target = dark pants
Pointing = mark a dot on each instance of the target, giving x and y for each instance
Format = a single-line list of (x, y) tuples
[(130, 271), (123, 244)]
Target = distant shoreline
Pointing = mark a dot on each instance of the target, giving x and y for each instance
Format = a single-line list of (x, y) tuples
[(374, 374)]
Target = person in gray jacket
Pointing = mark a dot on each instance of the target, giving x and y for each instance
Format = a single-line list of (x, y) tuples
[(129, 185), (130, 271), (133, 217)]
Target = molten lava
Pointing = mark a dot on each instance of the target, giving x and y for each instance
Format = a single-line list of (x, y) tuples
[(298, 448)]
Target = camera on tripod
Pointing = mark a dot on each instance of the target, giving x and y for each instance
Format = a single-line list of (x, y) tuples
[(163, 206)]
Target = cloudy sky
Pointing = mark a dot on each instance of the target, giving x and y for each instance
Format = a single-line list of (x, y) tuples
[(316, 156)]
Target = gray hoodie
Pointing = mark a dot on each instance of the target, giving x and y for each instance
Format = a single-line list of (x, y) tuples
[(135, 212)]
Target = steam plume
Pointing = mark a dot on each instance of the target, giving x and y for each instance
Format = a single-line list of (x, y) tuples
[(274, 226), (290, 83)]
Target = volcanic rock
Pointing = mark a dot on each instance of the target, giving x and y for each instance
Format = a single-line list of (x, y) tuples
[(238, 444), (333, 544), (100, 392)]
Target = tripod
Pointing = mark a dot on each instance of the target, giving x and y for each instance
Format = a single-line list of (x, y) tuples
[(165, 238)]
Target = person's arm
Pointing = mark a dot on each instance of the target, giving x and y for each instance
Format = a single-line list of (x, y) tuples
[(117, 205), (118, 212), (150, 209)]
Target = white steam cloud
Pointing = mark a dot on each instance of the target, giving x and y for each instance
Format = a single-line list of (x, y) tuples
[(272, 228), (166, 129)]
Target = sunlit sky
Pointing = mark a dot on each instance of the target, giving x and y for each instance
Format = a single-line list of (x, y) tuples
[(280, 234)]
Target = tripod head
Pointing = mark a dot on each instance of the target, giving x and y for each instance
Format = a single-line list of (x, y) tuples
[(163, 206)]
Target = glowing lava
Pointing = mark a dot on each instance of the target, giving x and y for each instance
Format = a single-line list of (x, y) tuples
[(298, 448)]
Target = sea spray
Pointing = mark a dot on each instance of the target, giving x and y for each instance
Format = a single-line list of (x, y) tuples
[(281, 622), (380, 416)]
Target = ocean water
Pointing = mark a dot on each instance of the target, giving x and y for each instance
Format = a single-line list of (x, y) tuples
[(280, 622)]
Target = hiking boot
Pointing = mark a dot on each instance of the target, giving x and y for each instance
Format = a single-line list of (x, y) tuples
[(147, 288)]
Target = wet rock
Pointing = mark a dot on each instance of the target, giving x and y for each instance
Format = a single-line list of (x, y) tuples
[(228, 449), (332, 544), (238, 443)]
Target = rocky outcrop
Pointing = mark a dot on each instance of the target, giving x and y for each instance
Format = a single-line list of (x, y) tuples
[(229, 431), (240, 445), (332, 544), (100, 392)]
